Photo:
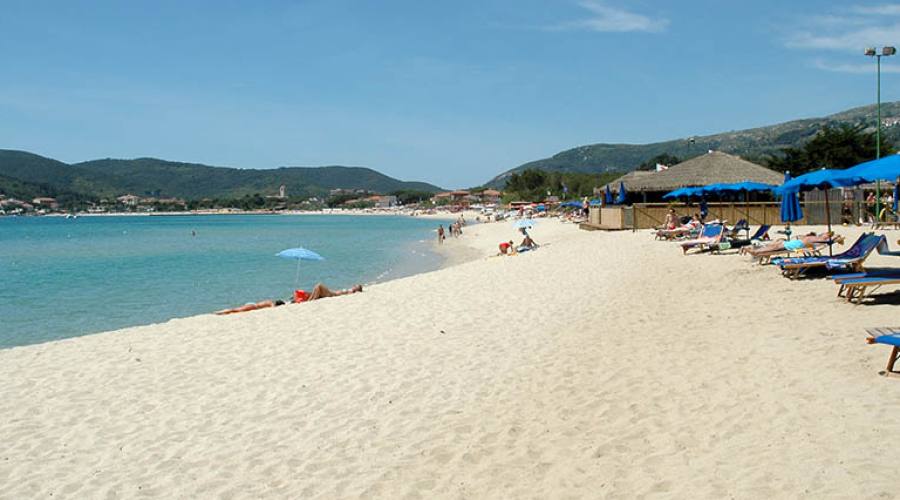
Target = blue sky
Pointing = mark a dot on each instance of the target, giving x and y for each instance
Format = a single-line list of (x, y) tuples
[(447, 92)]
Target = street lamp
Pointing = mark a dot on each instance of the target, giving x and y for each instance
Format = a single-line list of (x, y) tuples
[(871, 52)]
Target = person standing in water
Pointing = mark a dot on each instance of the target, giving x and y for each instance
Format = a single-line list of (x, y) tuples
[(440, 234)]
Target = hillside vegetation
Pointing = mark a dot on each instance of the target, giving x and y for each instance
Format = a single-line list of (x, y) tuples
[(23, 172), (755, 144)]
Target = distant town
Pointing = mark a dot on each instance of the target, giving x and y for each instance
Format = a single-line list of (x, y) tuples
[(356, 199)]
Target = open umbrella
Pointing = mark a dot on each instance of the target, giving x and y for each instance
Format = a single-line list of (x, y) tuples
[(736, 187), (686, 192), (819, 179), (299, 254), (523, 223), (620, 200)]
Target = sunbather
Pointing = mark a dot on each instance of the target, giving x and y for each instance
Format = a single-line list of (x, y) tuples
[(809, 241), (683, 230), (251, 307)]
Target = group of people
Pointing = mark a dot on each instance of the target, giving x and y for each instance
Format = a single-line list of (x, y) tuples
[(455, 229), (320, 291)]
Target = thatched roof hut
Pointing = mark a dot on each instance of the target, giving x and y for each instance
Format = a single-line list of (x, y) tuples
[(710, 168)]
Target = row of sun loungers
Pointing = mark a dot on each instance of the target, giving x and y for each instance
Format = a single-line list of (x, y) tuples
[(847, 269)]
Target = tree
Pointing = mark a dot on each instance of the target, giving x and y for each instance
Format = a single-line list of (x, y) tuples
[(533, 184), (664, 159), (840, 146)]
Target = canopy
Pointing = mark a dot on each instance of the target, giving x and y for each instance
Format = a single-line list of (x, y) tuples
[(572, 204), (884, 169), (299, 253), (738, 186), (685, 191), (819, 179), (608, 197)]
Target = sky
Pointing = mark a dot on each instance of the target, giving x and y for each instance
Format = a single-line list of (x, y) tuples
[(450, 92)]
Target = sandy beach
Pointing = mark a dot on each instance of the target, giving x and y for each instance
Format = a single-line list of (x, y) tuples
[(601, 365)]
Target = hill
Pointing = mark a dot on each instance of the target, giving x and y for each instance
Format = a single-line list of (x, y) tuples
[(21, 171), (753, 144)]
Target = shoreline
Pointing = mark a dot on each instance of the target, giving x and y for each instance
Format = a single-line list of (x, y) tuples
[(602, 364), (461, 252)]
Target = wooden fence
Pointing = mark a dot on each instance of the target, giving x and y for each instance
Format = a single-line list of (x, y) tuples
[(649, 215)]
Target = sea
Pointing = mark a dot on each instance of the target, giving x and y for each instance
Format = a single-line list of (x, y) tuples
[(62, 278)]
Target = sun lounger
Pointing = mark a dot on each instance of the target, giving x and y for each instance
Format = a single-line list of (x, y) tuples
[(711, 235), (737, 243), (852, 259), (887, 336), (678, 232), (890, 219)]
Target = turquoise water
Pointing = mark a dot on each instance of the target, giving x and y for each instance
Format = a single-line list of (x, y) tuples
[(61, 277)]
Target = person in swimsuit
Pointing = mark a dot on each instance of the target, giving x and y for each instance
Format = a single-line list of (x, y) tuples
[(251, 307), (808, 241), (320, 291)]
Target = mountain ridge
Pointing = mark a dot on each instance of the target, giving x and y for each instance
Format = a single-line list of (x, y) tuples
[(152, 176), (753, 144)]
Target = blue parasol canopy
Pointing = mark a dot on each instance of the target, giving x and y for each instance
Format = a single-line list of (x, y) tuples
[(620, 200), (524, 223), (572, 204), (608, 197), (737, 187), (819, 179), (685, 191), (883, 169), (299, 253)]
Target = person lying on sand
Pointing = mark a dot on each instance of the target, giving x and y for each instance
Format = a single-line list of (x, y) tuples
[(809, 241), (320, 291), (251, 307)]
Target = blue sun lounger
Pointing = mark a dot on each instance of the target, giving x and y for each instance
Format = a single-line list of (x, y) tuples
[(852, 259), (887, 336), (761, 234), (856, 287)]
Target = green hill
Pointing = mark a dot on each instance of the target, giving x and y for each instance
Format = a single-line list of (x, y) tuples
[(753, 144), (153, 177)]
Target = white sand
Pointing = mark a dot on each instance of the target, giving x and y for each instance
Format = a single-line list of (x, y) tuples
[(604, 364)]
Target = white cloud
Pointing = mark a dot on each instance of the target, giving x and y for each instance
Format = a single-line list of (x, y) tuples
[(850, 30), (608, 19), (854, 40)]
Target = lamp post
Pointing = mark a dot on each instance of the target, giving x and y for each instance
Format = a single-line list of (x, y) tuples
[(871, 52)]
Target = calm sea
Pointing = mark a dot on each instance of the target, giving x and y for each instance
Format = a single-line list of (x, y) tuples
[(67, 277)]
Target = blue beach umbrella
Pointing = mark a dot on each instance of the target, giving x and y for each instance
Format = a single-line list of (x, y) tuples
[(620, 200), (523, 224), (299, 254), (608, 197), (883, 169), (790, 203), (686, 192)]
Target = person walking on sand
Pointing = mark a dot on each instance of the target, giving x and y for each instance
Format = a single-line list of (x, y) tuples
[(440, 234)]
